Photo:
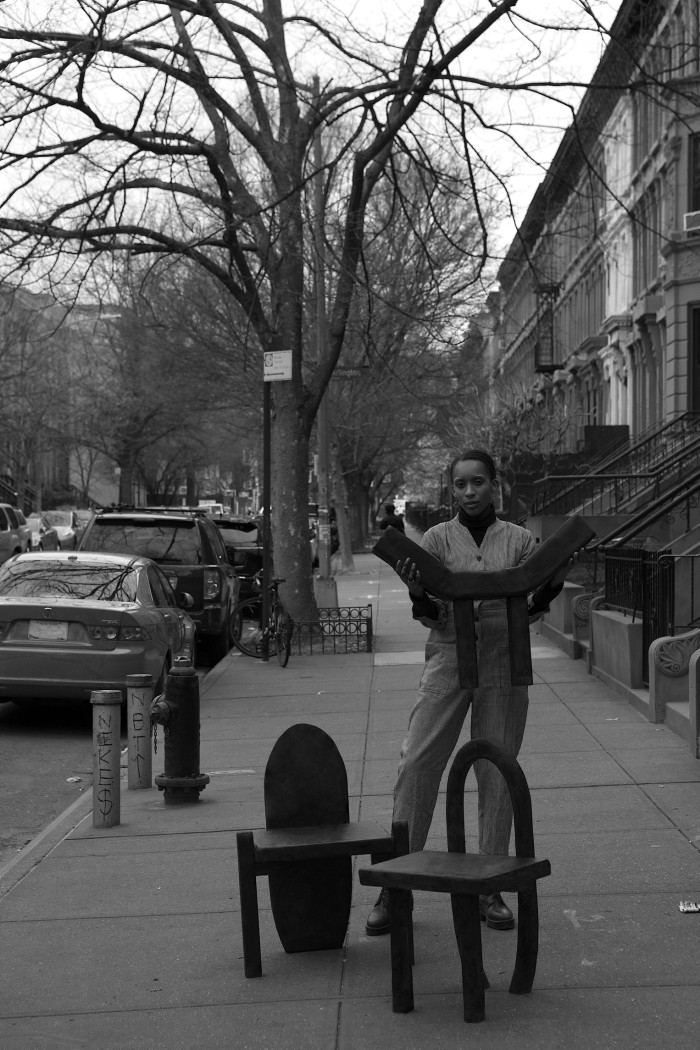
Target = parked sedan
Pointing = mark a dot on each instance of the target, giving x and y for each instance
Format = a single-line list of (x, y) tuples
[(44, 535), (74, 622), (67, 526)]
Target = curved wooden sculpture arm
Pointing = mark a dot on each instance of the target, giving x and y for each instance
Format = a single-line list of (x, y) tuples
[(547, 559)]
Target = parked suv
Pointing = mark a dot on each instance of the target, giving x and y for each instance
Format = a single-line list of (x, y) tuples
[(241, 538), (15, 534), (190, 551)]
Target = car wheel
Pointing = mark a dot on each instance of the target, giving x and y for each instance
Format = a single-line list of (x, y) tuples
[(245, 628)]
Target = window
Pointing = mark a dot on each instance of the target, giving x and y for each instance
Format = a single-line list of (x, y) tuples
[(108, 583), (694, 173), (174, 543), (162, 592), (694, 356)]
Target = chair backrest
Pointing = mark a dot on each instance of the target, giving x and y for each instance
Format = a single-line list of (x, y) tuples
[(306, 782), (549, 556), (509, 766)]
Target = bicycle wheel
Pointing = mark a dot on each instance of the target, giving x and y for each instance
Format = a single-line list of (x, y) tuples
[(246, 630), (283, 637)]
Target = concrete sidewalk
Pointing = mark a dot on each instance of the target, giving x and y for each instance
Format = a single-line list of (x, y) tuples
[(130, 938)]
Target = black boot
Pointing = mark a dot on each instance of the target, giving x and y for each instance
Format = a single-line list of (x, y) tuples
[(495, 913), (379, 919)]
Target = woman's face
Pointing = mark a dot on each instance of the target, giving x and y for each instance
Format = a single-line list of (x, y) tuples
[(472, 486)]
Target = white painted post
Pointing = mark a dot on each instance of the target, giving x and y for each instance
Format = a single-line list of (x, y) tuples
[(106, 728), (139, 694)]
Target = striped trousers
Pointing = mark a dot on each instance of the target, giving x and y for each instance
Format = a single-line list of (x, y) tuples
[(498, 710)]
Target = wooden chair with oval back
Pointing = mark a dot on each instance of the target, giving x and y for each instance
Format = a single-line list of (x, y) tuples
[(306, 848)]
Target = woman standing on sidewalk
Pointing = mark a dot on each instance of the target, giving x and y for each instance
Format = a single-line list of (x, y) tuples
[(475, 539)]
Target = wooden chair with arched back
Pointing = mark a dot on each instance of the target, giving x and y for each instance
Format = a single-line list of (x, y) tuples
[(467, 876)]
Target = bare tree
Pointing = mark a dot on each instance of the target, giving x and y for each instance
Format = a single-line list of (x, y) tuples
[(184, 128), (33, 420), (416, 286)]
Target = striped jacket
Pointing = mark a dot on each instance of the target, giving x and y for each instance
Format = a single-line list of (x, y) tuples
[(504, 546)]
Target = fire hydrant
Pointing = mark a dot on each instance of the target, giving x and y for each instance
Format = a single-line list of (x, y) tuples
[(177, 710)]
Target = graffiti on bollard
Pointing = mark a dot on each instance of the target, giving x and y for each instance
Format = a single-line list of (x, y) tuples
[(106, 736), (139, 695)]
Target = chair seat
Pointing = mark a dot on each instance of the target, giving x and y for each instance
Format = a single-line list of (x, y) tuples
[(461, 873), (326, 840)]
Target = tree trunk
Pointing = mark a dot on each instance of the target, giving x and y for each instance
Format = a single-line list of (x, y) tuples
[(341, 503), (191, 486), (358, 505), (290, 505), (126, 480)]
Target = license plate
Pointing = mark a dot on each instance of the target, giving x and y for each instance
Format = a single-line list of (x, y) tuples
[(48, 630)]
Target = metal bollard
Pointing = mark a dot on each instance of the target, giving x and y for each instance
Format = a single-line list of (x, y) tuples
[(106, 739), (139, 696), (178, 712)]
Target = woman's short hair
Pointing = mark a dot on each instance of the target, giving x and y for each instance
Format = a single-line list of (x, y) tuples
[(475, 453)]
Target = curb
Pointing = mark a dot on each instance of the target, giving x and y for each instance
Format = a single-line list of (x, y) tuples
[(42, 844), (38, 848)]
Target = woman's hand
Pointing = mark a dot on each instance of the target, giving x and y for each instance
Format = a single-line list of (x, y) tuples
[(411, 577)]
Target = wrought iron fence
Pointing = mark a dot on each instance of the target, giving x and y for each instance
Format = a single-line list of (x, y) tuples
[(347, 629)]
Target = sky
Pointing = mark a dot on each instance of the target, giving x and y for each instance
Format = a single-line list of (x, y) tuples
[(568, 51)]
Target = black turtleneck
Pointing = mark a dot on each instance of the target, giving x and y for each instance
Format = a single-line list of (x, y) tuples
[(478, 523)]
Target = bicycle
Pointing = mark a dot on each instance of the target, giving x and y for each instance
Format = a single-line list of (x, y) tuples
[(247, 629)]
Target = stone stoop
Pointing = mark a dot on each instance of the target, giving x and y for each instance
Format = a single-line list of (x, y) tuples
[(678, 718)]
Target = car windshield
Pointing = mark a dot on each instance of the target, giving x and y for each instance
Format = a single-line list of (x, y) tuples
[(173, 543), (35, 523), (34, 579), (59, 517), (239, 534)]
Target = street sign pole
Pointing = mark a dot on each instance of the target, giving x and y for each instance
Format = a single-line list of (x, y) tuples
[(277, 367), (267, 459), (324, 584)]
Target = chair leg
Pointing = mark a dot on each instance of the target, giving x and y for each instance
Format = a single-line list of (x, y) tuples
[(528, 939), (401, 951), (467, 922), (250, 922), (399, 833)]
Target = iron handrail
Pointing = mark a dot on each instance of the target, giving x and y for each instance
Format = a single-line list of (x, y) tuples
[(650, 515), (631, 452)]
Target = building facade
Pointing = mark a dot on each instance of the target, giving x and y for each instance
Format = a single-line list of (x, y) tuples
[(599, 303)]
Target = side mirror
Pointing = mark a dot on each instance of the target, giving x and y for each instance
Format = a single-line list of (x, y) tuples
[(238, 558), (185, 600)]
